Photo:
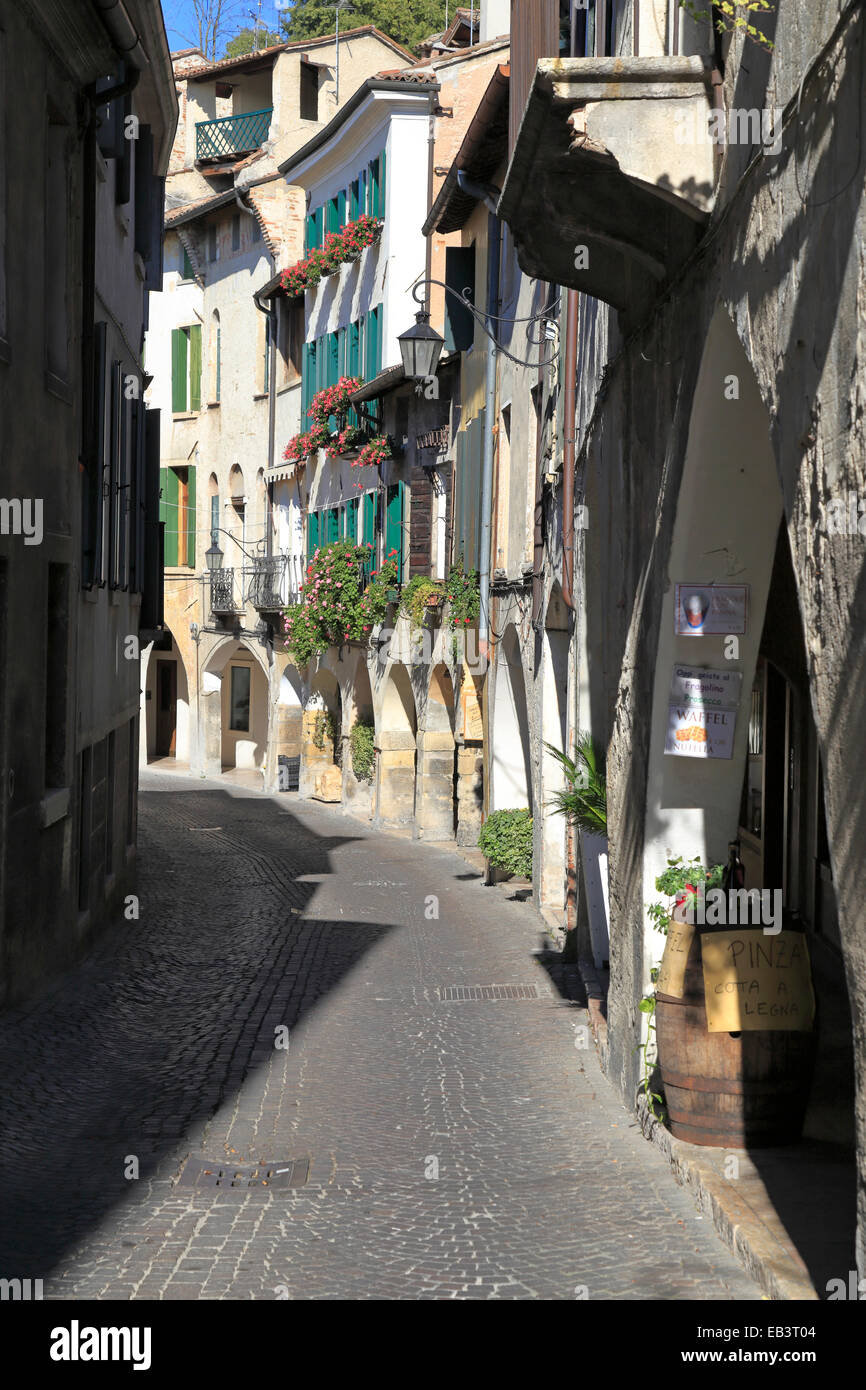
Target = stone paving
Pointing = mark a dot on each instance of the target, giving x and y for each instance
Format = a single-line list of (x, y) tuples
[(457, 1147)]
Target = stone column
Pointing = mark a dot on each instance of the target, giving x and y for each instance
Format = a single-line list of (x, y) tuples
[(314, 761), (434, 808), (470, 791), (395, 779)]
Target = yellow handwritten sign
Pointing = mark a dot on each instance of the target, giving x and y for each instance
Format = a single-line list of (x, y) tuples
[(754, 982), (672, 972)]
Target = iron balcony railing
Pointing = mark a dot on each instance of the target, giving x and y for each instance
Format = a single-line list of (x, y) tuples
[(232, 134), (224, 593), (266, 583)]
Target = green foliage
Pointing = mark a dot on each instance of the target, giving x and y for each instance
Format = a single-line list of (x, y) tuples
[(682, 876), (245, 42), (728, 15), (362, 747), (337, 603), (506, 841), (407, 21), (648, 1006), (584, 799), (325, 728), (463, 594), (420, 597)]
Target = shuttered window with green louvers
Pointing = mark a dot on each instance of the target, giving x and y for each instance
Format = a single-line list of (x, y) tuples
[(395, 499), (179, 371), (195, 366), (312, 534), (168, 490)]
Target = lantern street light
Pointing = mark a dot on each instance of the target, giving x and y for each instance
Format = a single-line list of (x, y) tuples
[(213, 555), (420, 347)]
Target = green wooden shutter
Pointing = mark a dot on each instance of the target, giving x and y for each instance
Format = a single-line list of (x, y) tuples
[(369, 524), (309, 372), (312, 534), (342, 361), (190, 519), (382, 185), (353, 200), (352, 518), (394, 525), (333, 210), (374, 187), (309, 230), (354, 349), (333, 525), (195, 367), (179, 371), (342, 200), (187, 271), (168, 513), (373, 364)]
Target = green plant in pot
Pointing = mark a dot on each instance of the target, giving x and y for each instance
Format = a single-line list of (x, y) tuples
[(506, 841), (584, 797)]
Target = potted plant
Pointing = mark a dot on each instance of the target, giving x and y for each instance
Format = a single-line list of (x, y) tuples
[(506, 842), (583, 800)]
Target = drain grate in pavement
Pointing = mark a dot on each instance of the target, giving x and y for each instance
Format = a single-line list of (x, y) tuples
[(199, 1172), (468, 993)]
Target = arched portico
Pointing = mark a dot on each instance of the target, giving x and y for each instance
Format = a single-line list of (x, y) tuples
[(395, 764), (434, 809), (511, 776)]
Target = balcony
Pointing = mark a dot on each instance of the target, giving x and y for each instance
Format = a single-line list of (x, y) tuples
[(232, 135), (225, 596), (611, 181), (267, 587)]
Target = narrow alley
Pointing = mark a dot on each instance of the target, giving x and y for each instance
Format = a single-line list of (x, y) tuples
[(452, 1147)]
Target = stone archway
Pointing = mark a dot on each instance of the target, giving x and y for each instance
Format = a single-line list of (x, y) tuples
[(511, 773), (395, 763), (358, 704), (234, 710), (165, 714), (435, 808), (321, 739)]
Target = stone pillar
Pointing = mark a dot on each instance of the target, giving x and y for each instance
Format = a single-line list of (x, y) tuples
[(470, 791), (434, 806), (314, 761), (210, 733), (395, 779)]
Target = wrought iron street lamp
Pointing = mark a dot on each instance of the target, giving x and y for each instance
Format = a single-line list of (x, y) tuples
[(420, 347)]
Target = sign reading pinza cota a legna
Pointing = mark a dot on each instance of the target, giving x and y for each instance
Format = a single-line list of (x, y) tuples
[(702, 712), (754, 982)]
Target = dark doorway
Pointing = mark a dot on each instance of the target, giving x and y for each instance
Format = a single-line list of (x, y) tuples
[(166, 708)]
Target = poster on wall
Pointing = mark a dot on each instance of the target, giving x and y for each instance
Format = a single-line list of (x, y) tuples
[(702, 712), (757, 983), (710, 610)]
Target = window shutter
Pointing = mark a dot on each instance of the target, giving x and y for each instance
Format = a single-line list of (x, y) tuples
[(187, 270), (333, 525), (178, 371), (190, 519), (369, 524), (353, 200), (308, 374), (342, 200), (312, 535), (394, 526), (352, 518), (382, 185), (374, 187), (459, 276), (354, 349), (342, 362), (374, 343), (195, 367), (309, 229), (168, 513)]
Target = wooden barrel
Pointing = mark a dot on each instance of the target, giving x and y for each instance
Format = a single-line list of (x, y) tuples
[(729, 1090)]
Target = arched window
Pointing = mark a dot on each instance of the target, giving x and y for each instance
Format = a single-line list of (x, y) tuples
[(214, 494)]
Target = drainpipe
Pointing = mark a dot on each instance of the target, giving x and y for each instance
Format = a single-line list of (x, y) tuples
[(569, 399), (488, 195), (538, 507), (271, 316), (124, 34)]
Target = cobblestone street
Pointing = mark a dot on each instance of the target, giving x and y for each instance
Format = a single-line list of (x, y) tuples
[(455, 1147)]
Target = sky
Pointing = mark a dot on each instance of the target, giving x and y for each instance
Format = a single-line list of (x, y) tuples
[(182, 29)]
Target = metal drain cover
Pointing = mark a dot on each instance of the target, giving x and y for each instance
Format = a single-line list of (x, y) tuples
[(470, 992), (201, 1172)]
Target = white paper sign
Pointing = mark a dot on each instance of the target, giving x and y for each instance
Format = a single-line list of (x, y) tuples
[(702, 712)]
